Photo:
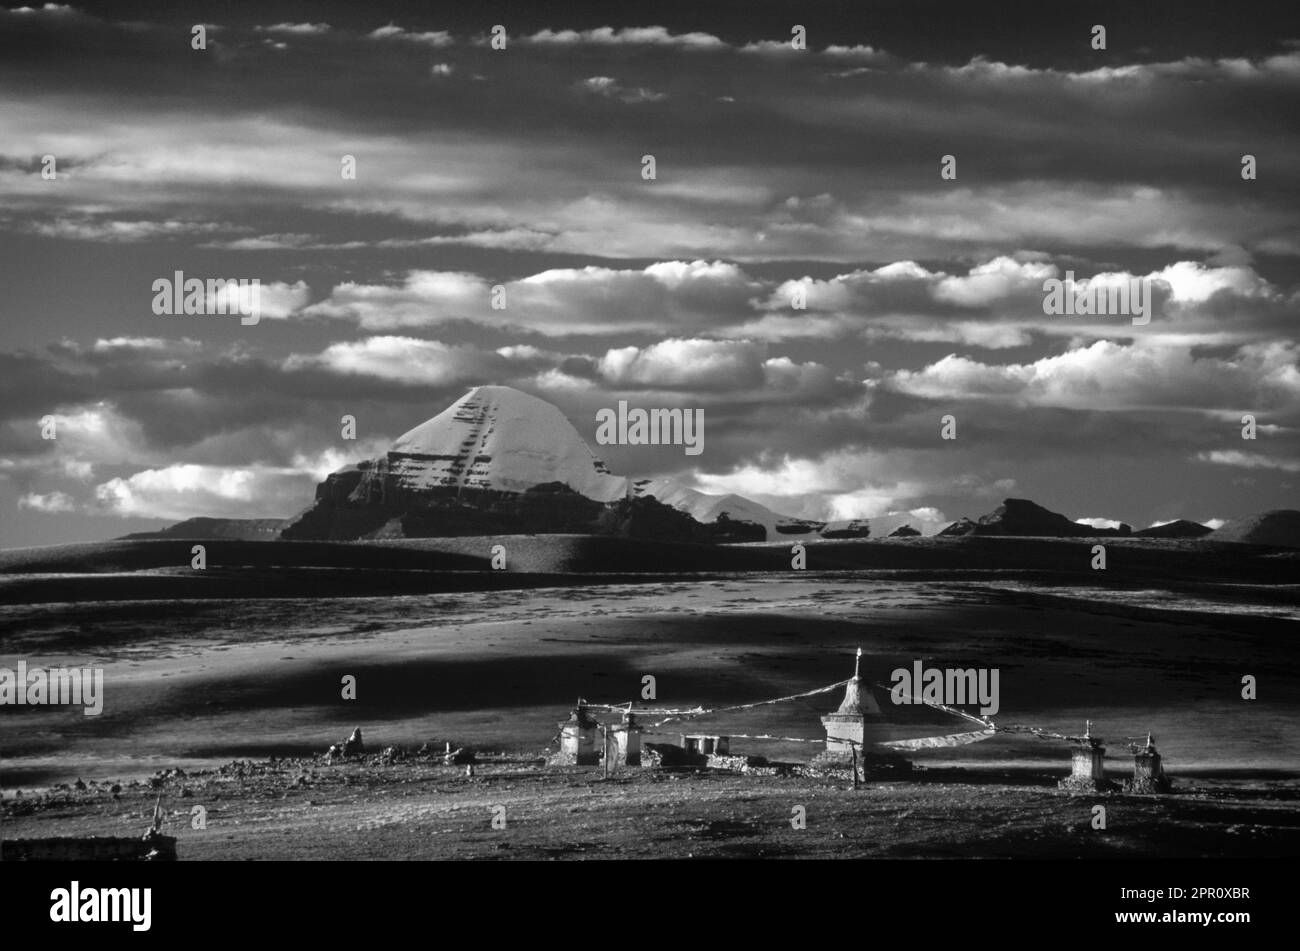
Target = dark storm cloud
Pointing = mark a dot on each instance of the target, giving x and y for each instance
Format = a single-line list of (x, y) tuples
[(746, 141)]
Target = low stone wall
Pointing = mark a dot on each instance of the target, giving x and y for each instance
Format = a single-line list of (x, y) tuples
[(878, 765), (740, 764), (670, 756)]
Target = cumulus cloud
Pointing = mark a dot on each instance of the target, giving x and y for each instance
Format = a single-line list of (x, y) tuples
[(275, 299), (784, 374), (1190, 282), (997, 304), (49, 9), (296, 29), (849, 484), (97, 434), (625, 36), (110, 230), (609, 88), (589, 300), (436, 39), (49, 502), (701, 364), (186, 491), (1111, 376), (1098, 522), (1000, 278), (1249, 460), (406, 360)]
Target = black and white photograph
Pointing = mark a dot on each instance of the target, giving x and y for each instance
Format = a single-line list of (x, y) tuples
[(731, 431)]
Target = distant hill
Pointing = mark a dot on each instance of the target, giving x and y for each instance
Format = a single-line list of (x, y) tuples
[(1280, 527), (958, 529), (160, 570), (248, 529), (1178, 528), (736, 509), (1021, 517)]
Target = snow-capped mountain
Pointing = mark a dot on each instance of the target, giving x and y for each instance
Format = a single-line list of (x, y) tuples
[(500, 439), (501, 459)]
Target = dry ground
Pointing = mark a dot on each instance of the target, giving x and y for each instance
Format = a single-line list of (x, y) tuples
[(193, 684), (302, 809)]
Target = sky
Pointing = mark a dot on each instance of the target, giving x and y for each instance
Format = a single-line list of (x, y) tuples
[(781, 176)]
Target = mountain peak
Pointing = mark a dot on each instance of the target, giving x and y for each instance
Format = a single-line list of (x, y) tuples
[(502, 439), (1023, 517)]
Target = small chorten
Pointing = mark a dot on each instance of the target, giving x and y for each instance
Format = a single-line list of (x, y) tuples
[(857, 720), (1087, 764), (627, 740), (578, 738), (1148, 773)]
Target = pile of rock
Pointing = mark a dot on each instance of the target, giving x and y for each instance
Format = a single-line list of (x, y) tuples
[(350, 748), (163, 777)]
